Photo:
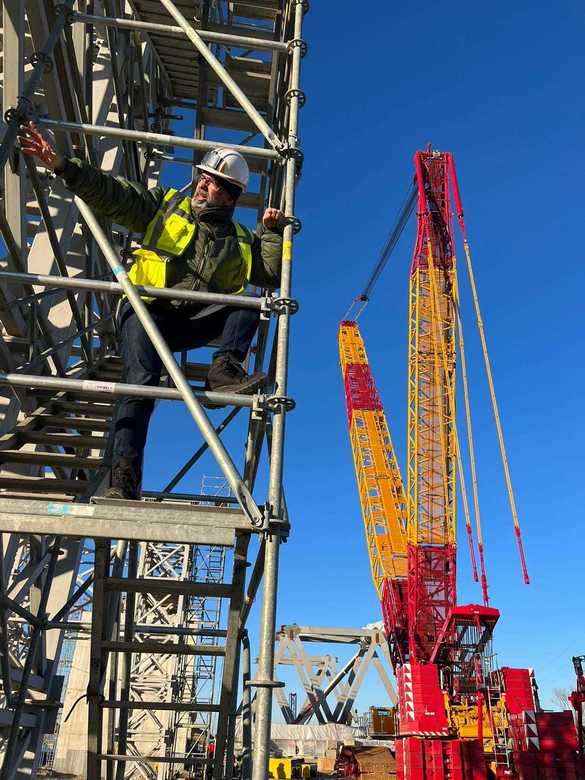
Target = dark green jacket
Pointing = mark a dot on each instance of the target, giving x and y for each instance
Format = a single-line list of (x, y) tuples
[(133, 206)]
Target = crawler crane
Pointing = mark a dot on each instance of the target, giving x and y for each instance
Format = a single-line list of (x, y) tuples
[(459, 716)]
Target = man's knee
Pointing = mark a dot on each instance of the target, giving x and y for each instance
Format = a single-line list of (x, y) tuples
[(142, 364)]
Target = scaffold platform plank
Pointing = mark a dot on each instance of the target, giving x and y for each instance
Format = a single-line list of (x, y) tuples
[(132, 520)]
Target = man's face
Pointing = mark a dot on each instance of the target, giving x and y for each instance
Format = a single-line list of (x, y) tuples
[(208, 192)]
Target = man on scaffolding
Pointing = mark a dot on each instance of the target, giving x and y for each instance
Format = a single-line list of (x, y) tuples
[(189, 243)]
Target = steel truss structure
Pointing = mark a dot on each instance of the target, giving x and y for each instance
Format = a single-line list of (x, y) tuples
[(106, 76), (331, 692)]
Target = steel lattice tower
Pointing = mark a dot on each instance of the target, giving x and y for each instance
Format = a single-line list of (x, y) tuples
[(109, 78)]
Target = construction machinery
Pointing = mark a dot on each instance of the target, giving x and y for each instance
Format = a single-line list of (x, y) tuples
[(577, 699), (459, 715), (141, 88)]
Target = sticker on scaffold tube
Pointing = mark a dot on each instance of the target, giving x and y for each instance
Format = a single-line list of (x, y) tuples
[(98, 387), (84, 510), (120, 272), (287, 250)]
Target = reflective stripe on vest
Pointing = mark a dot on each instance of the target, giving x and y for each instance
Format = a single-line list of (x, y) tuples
[(169, 233)]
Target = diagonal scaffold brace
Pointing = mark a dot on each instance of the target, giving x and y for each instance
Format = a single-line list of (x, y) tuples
[(249, 506)]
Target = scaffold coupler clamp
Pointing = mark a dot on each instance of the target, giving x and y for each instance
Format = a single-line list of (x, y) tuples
[(24, 111), (295, 93), (279, 403), (283, 305), (41, 57), (67, 11), (274, 524), (292, 151), (298, 43), (295, 222)]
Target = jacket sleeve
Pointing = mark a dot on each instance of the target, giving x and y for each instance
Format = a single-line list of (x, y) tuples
[(266, 259), (124, 202)]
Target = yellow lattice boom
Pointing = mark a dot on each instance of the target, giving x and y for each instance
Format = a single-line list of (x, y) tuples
[(380, 486)]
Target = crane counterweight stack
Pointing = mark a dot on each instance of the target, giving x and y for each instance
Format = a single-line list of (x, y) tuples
[(459, 716)]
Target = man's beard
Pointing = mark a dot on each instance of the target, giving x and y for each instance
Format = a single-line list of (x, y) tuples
[(198, 206), (210, 207)]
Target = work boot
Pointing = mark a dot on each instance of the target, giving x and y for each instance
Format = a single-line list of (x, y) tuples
[(226, 375), (125, 483)]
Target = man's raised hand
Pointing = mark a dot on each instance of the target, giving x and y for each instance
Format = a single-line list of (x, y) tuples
[(37, 143), (273, 219)]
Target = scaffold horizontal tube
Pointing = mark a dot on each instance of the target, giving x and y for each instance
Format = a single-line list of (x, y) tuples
[(154, 138), (187, 760), (79, 283), (174, 706), (92, 387), (85, 628), (165, 29)]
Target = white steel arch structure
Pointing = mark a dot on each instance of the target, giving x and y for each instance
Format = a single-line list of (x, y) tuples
[(107, 76)]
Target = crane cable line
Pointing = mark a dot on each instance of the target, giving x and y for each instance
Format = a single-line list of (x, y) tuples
[(439, 341), (496, 412), (393, 238), (470, 446)]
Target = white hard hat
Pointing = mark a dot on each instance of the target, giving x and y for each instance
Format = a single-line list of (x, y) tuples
[(226, 164)]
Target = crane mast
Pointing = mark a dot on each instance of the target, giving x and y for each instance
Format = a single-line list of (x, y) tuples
[(431, 412)]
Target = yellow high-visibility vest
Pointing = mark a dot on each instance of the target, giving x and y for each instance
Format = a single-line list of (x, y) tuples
[(167, 236)]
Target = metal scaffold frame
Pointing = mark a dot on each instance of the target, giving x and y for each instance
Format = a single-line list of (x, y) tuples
[(106, 76), (330, 692)]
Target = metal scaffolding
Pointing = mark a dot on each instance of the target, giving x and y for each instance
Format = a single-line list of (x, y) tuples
[(107, 77), (330, 692)]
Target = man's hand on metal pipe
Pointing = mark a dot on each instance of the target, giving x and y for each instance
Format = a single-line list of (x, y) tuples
[(273, 219), (39, 143)]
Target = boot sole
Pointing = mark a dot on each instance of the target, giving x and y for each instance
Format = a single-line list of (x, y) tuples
[(246, 388)]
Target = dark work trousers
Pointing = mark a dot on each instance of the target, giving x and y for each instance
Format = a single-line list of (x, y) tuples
[(234, 329)]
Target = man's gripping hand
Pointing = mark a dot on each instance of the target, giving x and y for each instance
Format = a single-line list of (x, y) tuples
[(273, 219), (38, 143)]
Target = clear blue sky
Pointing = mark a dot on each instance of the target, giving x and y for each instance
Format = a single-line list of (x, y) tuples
[(497, 85)]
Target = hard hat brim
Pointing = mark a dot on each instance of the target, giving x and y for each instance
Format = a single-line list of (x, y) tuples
[(220, 176)]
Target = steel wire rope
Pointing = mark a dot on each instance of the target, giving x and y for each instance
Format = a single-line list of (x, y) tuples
[(470, 445), (440, 339), (401, 222), (496, 413)]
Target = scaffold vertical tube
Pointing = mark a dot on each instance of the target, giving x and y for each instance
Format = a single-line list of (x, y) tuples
[(265, 671)]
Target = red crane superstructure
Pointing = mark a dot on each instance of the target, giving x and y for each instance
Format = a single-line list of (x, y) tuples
[(458, 715)]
